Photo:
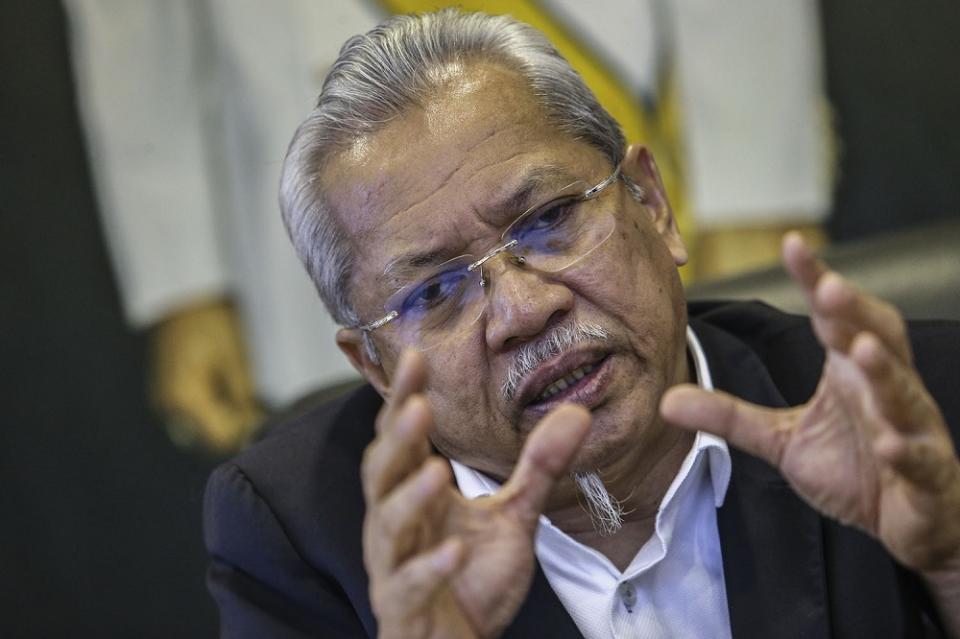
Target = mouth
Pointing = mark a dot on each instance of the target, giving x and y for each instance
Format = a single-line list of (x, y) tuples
[(581, 378)]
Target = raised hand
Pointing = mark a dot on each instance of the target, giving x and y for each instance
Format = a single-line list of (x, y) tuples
[(441, 565), (871, 447)]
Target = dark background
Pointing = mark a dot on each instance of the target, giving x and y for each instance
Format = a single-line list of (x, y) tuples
[(100, 531), (893, 78)]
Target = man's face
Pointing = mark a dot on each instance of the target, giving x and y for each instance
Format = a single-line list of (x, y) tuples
[(435, 179)]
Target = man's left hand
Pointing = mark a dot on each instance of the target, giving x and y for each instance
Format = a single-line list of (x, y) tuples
[(871, 447)]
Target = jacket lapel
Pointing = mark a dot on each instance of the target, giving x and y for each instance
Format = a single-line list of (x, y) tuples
[(772, 542), (542, 614)]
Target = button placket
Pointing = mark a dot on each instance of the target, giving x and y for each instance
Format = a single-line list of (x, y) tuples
[(628, 595)]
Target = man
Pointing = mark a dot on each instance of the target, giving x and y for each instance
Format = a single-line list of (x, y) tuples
[(506, 271)]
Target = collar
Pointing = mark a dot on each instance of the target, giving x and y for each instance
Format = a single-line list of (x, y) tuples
[(472, 483)]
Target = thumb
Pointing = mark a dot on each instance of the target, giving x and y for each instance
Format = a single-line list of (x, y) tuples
[(760, 431), (545, 458)]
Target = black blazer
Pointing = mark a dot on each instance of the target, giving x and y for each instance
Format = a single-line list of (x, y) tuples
[(283, 520)]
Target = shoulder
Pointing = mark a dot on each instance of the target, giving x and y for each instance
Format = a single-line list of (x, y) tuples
[(331, 436), (789, 350), (783, 343), (764, 326), (283, 523), (304, 474)]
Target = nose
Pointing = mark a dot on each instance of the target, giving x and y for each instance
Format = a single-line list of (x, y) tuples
[(521, 303)]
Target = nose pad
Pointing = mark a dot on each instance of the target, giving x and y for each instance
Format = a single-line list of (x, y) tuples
[(518, 260), (520, 301)]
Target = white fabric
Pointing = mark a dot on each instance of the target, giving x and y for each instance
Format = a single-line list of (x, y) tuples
[(675, 581), (189, 106), (752, 103), (138, 89), (754, 127)]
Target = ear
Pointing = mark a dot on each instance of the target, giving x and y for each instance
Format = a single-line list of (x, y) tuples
[(639, 166), (350, 341)]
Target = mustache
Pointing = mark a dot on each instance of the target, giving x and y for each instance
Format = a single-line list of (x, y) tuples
[(532, 354)]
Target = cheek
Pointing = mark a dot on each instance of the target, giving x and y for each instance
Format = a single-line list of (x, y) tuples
[(637, 283), (635, 273), (462, 393)]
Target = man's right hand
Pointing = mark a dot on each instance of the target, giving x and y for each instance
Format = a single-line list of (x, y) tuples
[(200, 378), (441, 565)]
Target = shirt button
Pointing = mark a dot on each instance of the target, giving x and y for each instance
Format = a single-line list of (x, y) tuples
[(628, 595)]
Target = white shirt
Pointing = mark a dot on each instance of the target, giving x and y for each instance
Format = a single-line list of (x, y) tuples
[(751, 96), (674, 585)]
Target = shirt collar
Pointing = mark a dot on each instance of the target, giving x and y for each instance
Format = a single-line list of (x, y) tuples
[(472, 483)]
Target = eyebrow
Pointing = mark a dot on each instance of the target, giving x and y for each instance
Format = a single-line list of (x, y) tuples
[(401, 269)]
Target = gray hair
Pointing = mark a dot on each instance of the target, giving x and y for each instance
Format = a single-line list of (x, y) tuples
[(606, 512), (531, 355), (380, 75)]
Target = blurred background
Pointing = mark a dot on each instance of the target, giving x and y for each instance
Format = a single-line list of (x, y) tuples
[(153, 315)]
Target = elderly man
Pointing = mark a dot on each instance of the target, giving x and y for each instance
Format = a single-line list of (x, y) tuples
[(552, 454)]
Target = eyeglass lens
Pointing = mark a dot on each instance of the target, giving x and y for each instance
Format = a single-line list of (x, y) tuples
[(551, 237)]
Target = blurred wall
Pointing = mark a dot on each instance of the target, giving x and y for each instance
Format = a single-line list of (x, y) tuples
[(893, 78)]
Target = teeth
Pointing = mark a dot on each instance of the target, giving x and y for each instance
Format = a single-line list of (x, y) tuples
[(565, 382)]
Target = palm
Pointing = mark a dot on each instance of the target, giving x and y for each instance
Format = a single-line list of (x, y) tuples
[(828, 454), (498, 566)]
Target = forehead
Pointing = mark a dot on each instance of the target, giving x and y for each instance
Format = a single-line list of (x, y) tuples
[(432, 174)]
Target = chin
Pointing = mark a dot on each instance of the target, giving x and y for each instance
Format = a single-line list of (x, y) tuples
[(606, 442), (619, 429)]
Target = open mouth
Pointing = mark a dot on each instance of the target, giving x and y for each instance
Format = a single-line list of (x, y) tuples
[(583, 385)]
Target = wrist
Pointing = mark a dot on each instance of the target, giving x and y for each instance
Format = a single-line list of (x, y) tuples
[(944, 585)]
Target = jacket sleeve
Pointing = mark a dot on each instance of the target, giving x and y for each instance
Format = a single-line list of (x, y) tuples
[(145, 102), (262, 585)]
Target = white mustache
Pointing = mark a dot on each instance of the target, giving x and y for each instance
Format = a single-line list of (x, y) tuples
[(531, 355)]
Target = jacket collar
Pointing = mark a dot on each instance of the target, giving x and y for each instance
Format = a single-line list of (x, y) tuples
[(771, 540)]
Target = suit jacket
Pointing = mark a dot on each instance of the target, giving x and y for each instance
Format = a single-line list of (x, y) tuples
[(283, 520)]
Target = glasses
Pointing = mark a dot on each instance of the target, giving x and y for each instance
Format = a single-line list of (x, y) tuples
[(550, 237)]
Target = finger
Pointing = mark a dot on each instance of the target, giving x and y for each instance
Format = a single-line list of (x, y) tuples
[(801, 263), (839, 309), (843, 311), (545, 458), (412, 514), (898, 393), (411, 588), (409, 377), (757, 430), (398, 451)]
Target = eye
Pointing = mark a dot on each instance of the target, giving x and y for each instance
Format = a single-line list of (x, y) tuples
[(549, 217), (435, 291)]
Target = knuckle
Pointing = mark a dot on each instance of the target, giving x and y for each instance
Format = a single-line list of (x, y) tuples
[(897, 324), (381, 417), (370, 463), (388, 527)]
